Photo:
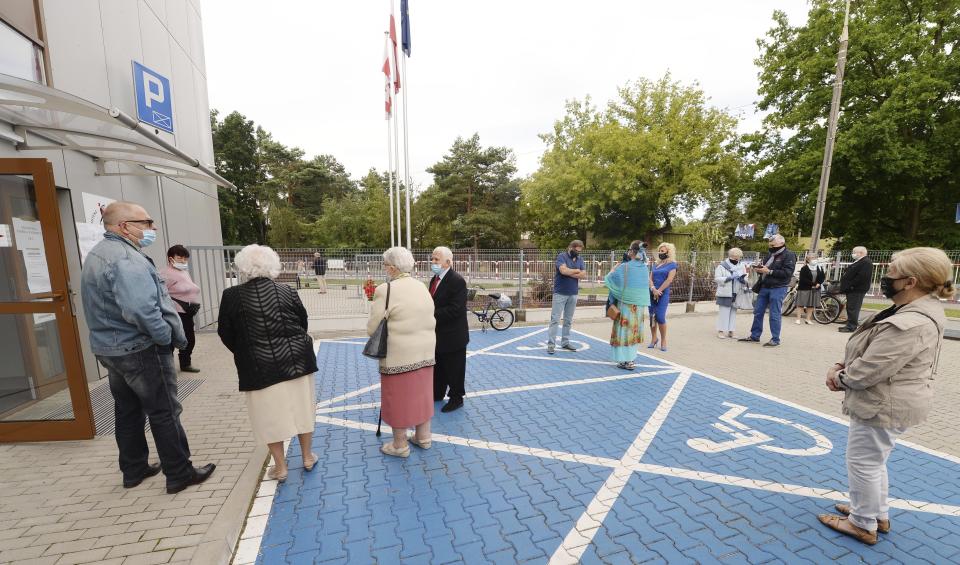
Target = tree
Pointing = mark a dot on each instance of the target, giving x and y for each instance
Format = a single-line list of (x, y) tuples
[(235, 149), (473, 199), (893, 181), (360, 218), (619, 174)]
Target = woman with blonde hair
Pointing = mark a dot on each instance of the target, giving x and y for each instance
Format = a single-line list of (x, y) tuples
[(264, 324), (661, 277), (406, 374), (887, 379)]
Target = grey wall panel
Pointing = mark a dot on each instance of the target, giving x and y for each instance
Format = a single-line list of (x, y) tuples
[(158, 7), (76, 48), (175, 204), (177, 22), (195, 27), (121, 39), (184, 102)]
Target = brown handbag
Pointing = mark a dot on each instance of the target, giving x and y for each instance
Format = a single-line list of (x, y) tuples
[(613, 311)]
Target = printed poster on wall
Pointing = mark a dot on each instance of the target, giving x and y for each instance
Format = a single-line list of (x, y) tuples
[(90, 231), (30, 244)]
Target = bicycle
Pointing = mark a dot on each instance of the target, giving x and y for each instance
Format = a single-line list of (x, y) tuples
[(826, 312), (495, 312)]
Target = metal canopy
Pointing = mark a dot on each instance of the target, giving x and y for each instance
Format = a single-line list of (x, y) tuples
[(45, 118)]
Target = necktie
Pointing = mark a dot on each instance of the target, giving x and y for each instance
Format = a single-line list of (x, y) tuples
[(433, 285)]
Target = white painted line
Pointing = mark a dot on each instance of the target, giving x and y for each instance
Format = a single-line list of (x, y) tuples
[(509, 341), (523, 388), (582, 533), (363, 390), (562, 360)]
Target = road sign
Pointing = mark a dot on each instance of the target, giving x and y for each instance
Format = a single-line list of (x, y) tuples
[(154, 98)]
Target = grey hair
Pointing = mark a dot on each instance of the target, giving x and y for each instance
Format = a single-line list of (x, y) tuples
[(735, 252), (258, 261), (399, 258), (860, 249), (777, 238), (444, 253)]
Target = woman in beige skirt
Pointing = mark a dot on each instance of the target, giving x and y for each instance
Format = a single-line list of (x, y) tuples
[(264, 324)]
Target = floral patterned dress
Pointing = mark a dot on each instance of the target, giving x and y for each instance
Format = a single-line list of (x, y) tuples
[(627, 333)]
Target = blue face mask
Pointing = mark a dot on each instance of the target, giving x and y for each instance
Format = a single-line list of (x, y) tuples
[(149, 236), (437, 269)]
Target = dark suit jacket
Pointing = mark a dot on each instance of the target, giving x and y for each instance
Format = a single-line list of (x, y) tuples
[(781, 270), (856, 278), (450, 310)]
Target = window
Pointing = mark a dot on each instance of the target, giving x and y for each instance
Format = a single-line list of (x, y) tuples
[(19, 56)]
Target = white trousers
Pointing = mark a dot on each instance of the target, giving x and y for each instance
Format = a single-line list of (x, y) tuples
[(867, 451), (726, 319)]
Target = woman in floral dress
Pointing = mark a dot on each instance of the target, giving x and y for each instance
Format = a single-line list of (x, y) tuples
[(629, 286)]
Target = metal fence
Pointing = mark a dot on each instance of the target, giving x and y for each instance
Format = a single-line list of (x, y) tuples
[(525, 275)]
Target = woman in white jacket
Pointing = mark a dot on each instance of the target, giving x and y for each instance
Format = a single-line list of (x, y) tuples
[(730, 275)]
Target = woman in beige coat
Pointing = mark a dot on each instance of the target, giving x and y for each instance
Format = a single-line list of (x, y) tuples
[(887, 379), (406, 374)]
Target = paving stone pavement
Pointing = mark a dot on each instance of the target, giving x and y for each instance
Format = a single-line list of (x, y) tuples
[(63, 503), (693, 458)]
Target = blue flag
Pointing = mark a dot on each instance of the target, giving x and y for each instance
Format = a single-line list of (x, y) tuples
[(404, 27), (958, 213)]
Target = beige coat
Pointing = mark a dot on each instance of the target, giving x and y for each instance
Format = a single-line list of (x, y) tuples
[(411, 340), (890, 366)]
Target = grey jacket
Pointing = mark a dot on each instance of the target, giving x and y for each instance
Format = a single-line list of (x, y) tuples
[(890, 366), (125, 302)]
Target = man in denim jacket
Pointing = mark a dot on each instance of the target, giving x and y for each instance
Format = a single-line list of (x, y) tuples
[(133, 330)]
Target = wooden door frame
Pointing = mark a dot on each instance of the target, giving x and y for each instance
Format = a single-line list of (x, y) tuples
[(81, 426)]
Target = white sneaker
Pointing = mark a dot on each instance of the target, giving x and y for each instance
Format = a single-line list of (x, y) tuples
[(721, 335), (798, 322), (809, 322)]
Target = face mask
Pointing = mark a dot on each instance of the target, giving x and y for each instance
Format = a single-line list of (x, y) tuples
[(662, 256), (886, 286), (775, 248), (437, 269), (734, 261), (180, 266), (574, 253), (149, 236)]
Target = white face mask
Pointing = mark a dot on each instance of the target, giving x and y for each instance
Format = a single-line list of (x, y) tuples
[(181, 266)]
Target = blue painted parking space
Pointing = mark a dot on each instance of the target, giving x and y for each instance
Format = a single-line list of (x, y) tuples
[(566, 458)]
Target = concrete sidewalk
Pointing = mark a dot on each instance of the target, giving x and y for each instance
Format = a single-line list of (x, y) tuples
[(63, 502)]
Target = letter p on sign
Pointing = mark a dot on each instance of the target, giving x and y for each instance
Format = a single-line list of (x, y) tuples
[(153, 97)]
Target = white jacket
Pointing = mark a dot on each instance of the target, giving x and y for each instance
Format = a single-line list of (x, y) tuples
[(725, 288)]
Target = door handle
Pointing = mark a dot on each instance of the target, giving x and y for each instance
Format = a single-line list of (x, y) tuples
[(58, 296)]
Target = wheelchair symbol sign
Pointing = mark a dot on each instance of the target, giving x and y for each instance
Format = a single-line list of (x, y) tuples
[(745, 436)]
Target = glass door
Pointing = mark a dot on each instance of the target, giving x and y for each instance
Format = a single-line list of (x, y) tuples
[(43, 389)]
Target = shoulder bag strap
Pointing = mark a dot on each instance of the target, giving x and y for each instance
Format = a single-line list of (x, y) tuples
[(386, 309)]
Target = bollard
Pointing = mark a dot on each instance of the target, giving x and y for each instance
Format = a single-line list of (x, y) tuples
[(693, 273)]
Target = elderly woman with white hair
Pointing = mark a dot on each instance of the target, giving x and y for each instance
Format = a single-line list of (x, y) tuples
[(264, 324), (731, 276), (406, 373)]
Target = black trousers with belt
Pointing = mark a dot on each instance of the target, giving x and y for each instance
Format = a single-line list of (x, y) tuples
[(450, 373)]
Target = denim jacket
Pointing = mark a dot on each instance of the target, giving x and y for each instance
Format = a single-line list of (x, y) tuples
[(125, 301)]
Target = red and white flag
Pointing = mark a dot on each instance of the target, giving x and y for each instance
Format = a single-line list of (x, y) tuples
[(388, 78), (393, 40)]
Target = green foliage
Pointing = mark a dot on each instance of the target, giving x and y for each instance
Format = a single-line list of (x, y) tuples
[(472, 201), (357, 218), (894, 176), (657, 150), (235, 149)]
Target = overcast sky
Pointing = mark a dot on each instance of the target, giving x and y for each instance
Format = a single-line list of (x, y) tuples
[(308, 71)]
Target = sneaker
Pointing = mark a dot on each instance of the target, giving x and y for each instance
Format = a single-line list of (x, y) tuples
[(568, 347), (721, 335), (809, 322), (550, 348), (798, 322), (772, 343)]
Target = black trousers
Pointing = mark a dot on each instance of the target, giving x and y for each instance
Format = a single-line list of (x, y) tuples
[(450, 373), (191, 340), (144, 385), (854, 302)]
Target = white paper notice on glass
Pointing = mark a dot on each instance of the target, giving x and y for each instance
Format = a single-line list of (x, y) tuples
[(43, 318), (29, 240), (88, 235), (6, 239), (92, 204)]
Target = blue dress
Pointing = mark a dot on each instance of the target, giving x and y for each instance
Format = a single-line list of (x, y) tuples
[(658, 309)]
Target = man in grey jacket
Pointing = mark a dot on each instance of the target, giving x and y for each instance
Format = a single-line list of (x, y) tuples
[(133, 330)]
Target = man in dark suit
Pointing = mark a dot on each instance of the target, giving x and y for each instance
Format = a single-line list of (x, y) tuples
[(855, 283), (449, 292)]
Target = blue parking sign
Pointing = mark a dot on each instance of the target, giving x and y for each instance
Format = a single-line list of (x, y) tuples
[(154, 99)]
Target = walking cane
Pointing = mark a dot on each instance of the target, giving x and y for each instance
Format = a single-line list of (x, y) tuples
[(379, 420)]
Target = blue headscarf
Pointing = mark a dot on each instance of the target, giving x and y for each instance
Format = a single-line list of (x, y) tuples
[(637, 290)]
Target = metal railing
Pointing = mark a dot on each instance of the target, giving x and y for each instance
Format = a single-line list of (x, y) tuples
[(525, 275)]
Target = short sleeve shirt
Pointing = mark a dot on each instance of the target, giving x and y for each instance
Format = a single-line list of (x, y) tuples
[(563, 284)]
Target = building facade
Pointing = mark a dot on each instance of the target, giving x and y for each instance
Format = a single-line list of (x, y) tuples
[(100, 100)]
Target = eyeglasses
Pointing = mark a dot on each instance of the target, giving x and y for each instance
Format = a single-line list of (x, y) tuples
[(148, 222)]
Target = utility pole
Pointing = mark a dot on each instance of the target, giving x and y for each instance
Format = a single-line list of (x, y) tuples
[(831, 134)]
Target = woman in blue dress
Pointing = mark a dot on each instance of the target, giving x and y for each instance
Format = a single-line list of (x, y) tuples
[(661, 277), (629, 289)]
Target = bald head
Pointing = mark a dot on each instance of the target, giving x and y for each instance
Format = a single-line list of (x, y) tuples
[(121, 211)]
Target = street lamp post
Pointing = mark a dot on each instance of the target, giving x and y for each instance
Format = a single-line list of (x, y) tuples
[(831, 133)]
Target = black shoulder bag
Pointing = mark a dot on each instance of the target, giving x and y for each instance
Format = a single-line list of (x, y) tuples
[(376, 347)]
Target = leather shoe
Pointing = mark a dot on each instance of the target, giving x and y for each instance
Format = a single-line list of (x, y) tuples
[(189, 369), (749, 339), (454, 404), (845, 330), (883, 526), (151, 471), (200, 474)]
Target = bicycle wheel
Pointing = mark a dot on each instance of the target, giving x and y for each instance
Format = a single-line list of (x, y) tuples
[(789, 304), (501, 319), (828, 310)]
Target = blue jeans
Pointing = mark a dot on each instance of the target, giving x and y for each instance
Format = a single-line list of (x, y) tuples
[(144, 385), (772, 297), (563, 307)]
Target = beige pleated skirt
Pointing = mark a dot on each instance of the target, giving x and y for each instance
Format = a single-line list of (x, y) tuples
[(281, 411)]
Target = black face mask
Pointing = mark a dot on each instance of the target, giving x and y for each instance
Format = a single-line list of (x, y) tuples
[(886, 286), (574, 253), (734, 261), (662, 256), (775, 248)]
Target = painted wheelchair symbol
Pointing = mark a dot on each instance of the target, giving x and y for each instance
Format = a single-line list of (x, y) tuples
[(745, 436), (580, 345)]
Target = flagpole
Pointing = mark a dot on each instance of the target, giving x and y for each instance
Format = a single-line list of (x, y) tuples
[(406, 146), (396, 176), (386, 37)]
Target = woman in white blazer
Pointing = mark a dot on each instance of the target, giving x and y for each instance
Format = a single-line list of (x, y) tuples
[(731, 276)]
